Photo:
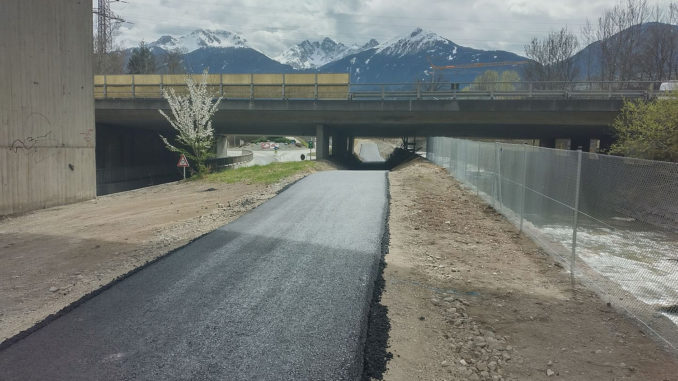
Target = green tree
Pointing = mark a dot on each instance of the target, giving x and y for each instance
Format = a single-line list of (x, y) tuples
[(192, 119), (491, 80), (648, 130), (141, 61)]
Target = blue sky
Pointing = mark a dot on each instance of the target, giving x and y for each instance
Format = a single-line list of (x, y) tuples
[(273, 25)]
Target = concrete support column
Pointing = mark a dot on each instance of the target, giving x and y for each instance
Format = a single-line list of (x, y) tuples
[(606, 143), (584, 143), (547, 142), (222, 146), (322, 142), (339, 144)]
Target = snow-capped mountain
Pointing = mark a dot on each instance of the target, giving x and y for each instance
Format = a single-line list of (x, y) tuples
[(408, 58), (201, 38), (418, 40), (232, 60), (311, 55), (218, 51), (403, 59)]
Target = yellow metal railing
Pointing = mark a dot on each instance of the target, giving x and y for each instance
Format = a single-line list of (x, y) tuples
[(229, 86)]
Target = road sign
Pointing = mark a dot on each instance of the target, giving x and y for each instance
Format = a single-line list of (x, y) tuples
[(182, 161)]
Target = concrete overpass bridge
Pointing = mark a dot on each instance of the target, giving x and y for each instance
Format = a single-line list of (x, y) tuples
[(544, 119), (327, 105)]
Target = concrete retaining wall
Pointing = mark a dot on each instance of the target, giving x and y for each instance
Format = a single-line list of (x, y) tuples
[(47, 134)]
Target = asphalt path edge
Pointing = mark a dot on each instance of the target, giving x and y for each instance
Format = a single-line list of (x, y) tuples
[(375, 350), (50, 318)]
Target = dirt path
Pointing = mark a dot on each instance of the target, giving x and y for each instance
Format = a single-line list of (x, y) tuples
[(51, 258), (470, 299)]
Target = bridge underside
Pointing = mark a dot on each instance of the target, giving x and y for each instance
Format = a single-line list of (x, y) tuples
[(336, 122), (502, 119)]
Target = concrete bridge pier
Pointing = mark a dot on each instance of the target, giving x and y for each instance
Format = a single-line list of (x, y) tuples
[(605, 143), (222, 146), (547, 142), (340, 144), (583, 142), (322, 138)]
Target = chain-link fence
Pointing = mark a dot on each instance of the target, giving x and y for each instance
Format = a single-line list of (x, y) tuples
[(612, 221)]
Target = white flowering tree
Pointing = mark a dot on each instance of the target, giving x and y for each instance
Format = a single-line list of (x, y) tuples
[(191, 117)]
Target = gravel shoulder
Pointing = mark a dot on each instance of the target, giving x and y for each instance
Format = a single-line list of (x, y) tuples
[(53, 257), (469, 298)]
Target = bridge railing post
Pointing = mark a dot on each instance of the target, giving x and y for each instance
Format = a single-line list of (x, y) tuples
[(134, 94), (283, 86), (221, 85), (251, 87), (315, 90), (530, 89), (382, 92), (105, 88), (161, 84), (418, 90)]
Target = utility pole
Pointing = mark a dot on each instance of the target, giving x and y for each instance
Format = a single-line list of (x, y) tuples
[(106, 20)]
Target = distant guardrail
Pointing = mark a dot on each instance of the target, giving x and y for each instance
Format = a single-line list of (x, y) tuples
[(325, 86), (505, 90), (223, 162)]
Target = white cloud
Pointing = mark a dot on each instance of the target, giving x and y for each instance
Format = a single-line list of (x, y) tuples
[(273, 25)]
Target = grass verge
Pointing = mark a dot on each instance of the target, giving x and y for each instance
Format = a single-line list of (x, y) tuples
[(261, 174)]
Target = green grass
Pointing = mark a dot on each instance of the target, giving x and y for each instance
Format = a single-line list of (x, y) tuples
[(261, 174)]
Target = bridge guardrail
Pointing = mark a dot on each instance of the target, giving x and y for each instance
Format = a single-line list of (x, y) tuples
[(223, 162), (505, 90), (229, 86), (337, 87)]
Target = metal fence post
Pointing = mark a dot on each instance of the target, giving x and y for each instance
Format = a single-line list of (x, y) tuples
[(283, 86), (576, 215), (522, 202), (134, 93), (105, 88), (465, 160), (161, 84), (498, 156), (478, 172)]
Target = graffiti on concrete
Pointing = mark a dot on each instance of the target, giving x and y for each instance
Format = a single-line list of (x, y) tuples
[(29, 143), (88, 135)]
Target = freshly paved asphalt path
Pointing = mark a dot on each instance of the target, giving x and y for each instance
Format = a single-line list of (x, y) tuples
[(369, 153), (281, 293)]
